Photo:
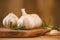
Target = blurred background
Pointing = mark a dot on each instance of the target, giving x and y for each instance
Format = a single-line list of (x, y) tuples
[(48, 10)]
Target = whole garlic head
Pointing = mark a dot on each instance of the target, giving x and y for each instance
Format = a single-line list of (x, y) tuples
[(30, 21), (10, 18)]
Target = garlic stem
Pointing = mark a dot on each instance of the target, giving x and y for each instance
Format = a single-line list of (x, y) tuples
[(23, 11)]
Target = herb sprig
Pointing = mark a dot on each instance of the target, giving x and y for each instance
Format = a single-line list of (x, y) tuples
[(48, 26), (16, 27)]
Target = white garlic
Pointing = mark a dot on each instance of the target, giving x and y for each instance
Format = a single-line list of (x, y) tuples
[(10, 18), (37, 19), (54, 32), (30, 21)]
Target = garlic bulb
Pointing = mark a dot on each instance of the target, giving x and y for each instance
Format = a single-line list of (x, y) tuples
[(10, 18), (30, 21)]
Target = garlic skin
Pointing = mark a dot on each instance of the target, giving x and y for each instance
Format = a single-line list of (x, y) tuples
[(30, 21), (20, 21), (37, 19), (10, 18)]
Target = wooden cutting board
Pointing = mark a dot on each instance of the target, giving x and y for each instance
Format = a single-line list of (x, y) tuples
[(35, 38), (8, 33), (5, 33)]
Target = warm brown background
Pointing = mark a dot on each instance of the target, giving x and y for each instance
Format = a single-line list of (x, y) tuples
[(48, 10)]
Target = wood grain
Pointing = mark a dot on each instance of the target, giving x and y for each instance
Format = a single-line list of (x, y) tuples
[(5, 33), (36, 38)]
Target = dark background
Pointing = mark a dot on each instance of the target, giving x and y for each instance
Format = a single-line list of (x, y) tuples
[(48, 10)]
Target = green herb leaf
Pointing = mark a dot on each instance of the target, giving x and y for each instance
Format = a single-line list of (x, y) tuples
[(55, 28), (20, 28), (47, 26), (50, 27), (16, 27), (10, 25)]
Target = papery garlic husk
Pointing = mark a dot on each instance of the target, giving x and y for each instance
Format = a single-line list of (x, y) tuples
[(30, 21), (10, 18)]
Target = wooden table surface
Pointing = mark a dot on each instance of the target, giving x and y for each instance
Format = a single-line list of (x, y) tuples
[(36, 38)]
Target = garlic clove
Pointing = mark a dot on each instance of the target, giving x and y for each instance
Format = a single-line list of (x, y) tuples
[(10, 18), (54, 32)]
